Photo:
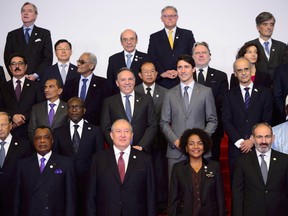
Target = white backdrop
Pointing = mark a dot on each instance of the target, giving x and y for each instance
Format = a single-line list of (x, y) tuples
[(95, 26)]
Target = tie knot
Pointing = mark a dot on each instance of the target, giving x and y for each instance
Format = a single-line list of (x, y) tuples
[(201, 70), (129, 55), (266, 43), (42, 160), (127, 97), (246, 89), (121, 154), (2, 143), (262, 156), (76, 127), (170, 31), (63, 65), (148, 89), (52, 105), (27, 30), (84, 80), (18, 81), (186, 88)]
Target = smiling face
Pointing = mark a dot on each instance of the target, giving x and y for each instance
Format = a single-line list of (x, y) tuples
[(126, 82), (43, 141), (129, 40), (185, 72), (121, 134), (242, 70), (195, 146), (251, 54)]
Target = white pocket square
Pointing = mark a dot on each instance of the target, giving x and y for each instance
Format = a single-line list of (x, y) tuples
[(38, 39)]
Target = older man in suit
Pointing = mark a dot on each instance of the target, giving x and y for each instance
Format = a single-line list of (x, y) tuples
[(167, 45), (31, 41), (121, 178), (130, 57), (260, 183), (187, 105)]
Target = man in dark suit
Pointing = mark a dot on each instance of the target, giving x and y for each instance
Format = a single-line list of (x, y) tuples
[(130, 105), (90, 88), (13, 150), (260, 183), (129, 57), (31, 41), (272, 51), (167, 45), (79, 147), (46, 183), (217, 81), (18, 95), (52, 112), (126, 190), (243, 107), (63, 70)]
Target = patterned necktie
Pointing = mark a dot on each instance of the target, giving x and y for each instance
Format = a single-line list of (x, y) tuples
[(63, 72), (266, 47), (121, 167), (83, 89), (129, 60), (76, 139), (51, 113), (128, 107), (18, 89), (186, 97), (263, 167), (27, 36), (149, 91), (170, 38), (247, 97), (201, 77), (42, 164), (2, 154)]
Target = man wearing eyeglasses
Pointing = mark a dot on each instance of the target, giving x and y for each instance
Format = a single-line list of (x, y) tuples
[(167, 45), (129, 57)]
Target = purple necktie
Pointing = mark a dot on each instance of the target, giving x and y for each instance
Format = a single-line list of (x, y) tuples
[(51, 113), (121, 166), (18, 89), (42, 164)]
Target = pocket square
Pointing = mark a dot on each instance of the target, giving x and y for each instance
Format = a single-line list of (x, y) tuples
[(58, 171), (38, 39)]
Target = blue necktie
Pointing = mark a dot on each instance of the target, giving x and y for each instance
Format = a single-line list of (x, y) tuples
[(83, 89), (247, 97), (27, 36), (129, 60), (128, 107), (266, 46), (2, 154)]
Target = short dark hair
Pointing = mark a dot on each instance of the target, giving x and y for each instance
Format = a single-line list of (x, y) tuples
[(186, 58), (58, 84), (124, 69), (242, 51), (62, 41), (146, 62), (76, 99), (263, 17), (261, 124), (44, 127), (17, 55), (33, 5)]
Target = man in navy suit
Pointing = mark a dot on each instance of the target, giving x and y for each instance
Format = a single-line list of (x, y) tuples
[(167, 45), (63, 70), (121, 178), (129, 57), (31, 41)]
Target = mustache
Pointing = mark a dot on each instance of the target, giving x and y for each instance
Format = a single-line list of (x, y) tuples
[(17, 69)]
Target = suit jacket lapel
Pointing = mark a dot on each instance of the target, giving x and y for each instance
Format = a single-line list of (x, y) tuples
[(113, 164), (91, 89), (44, 112), (178, 34), (256, 166), (119, 106), (254, 97), (272, 166), (25, 89), (194, 97), (137, 105), (178, 93), (156, 95), (165, 39), (12, 150), (239, 98), (60, 110), (131, 164)]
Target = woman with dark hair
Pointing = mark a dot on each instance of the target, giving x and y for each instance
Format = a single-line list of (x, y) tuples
[(196, 187), (252, 52)]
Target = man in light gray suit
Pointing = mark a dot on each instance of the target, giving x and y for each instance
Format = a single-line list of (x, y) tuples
[(52, 112), (187, 105)]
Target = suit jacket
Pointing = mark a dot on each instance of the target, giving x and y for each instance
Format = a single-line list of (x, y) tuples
[(38, 51), (277, 53), (52, 72), (250, 194), (181, 190), (175, 119), (237, 121), (164, 57), (18, 149), (51, 193), (39, 117), (143, 121), (98, 90), (118, 61), (135, 196), (2, 75)]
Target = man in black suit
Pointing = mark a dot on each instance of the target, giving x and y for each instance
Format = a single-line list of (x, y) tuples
[(260, 183), (46, 183), (90, 88), (121, 178), (130, 105), (129, 57), (167, 45), (243, 107), (18, 95), (79, 147), (13, 150), (272, 51), (31, 41), (217, 81), (63, 70)]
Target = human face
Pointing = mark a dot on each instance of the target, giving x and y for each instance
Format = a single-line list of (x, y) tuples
[(242, 71), (28, 15), (263, 138), (126, 82), (169, 18), (195, 147), (128, 40), (5, 126), (51, 90), (121, 134), (148, 74), (76, 110), (201, 56), (63, 52), (85, 67), (185, 72), (18, 67), (266, 29), (251, 54), (43, 141)]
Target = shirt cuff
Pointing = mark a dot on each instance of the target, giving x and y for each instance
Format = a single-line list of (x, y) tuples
[(237, 144)]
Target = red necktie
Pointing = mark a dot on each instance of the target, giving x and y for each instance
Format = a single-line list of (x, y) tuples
[(121, 166)]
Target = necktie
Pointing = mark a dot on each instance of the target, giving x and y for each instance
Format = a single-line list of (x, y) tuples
[(2, 153), (266, 47), (149, 91), (42, 164), (51, 113), (128, 60), (76, 139), (83, 89), (18, 89), (201, 77), (63, 72), (263, 167), (121, 166), (247, 97), (186, 97), (128, 107), (170, 38), (27, 36)]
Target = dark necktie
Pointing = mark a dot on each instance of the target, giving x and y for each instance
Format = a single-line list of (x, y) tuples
[(2, 153), (42, 164), (149, 91), (186, 97), (27, 36), (201, 77), (18, 89), (128, 107), (263, 167), (266, 47), (51, 113), (63, 72), (247, 97), (129, 60), (121, 167), (76, 139), (83, 89)]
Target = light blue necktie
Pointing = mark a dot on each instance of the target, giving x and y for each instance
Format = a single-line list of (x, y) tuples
[(266, 46), (27, 36), (2, 153), (128, 107), (83, 89), (129, 60)]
